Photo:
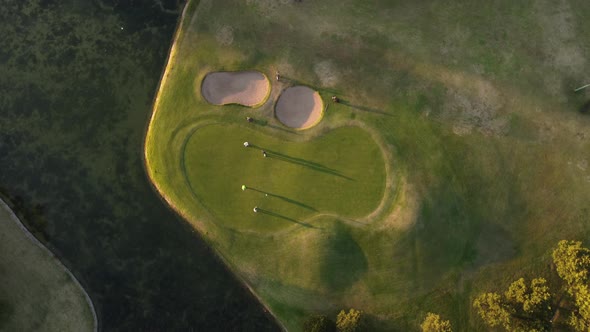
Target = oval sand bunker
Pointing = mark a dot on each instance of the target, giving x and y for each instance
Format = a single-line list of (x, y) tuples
[(248, 88), (299, 107)]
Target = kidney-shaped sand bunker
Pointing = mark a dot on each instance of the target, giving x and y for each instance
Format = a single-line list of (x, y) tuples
[(248, 88), (299, 107)]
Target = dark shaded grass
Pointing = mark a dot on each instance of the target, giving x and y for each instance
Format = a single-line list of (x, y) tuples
[(72, 134)]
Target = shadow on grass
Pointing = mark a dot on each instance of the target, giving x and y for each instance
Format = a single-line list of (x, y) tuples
[(286, 199), (274, 214), (6, 311), (585, 108), (264, 123), (292, 81), (363, 108), (343, 260), (302, 162)]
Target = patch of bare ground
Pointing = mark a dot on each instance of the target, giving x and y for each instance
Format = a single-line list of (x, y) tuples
[(267, 8), (327, 73), (494, 244), (476, 107), (405, 213), (225, 35), (561, 47)]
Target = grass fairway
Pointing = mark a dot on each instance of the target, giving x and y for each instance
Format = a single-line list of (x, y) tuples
[(36, 292), (455, 160)]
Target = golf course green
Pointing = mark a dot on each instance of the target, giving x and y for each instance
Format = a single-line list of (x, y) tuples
[(452, 159), (294, 182)]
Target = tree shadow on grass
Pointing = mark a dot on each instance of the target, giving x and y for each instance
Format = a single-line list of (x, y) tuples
[(362, 108), (274, 214), (343, 260)]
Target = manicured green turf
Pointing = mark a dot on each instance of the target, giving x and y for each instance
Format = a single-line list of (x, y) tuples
[(486, 156), (294, 182)]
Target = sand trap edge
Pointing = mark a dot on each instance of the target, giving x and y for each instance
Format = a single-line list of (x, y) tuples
[(315, 123), (264, 100)]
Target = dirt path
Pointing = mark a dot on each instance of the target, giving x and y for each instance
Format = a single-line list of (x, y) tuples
[(59, 309)]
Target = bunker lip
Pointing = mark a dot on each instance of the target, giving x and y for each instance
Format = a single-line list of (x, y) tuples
[(299, 107), (248, 88)]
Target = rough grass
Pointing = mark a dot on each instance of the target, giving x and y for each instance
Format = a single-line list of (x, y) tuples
[(456, 94), (36, 293)]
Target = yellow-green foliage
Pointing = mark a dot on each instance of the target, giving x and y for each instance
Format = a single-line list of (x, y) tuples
[(572, 262), (528, 308), (522, 308), (492, 310), (433, 323), (531, 298), (349, 322), (580, 318)]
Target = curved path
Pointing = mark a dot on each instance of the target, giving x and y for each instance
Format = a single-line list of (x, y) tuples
[(60, 295), (383, 208)]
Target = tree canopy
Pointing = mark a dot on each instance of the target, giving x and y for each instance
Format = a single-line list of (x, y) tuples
[(433, 323), (319, 323), (525, 307), (572, 262), (349, 322)]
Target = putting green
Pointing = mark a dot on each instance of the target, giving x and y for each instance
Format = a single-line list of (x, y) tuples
[(340, 173)]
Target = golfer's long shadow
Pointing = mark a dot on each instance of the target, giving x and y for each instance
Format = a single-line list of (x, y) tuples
[(274, 214), (310, 164), (290, 80), (292, 201), (293, 81), (265, 123), (363, 108)]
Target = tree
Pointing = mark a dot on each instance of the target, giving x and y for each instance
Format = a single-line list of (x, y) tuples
[(318, 323), (529, 301), (492, 310), (349, 322), (572, 262), (433, 323), (525, 308), (521, 309)]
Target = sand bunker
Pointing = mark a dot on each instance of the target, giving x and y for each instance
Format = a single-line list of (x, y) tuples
[(248, 88), (299, 107)]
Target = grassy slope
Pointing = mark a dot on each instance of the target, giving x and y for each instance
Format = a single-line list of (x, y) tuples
[(480, 122), (36, 293)]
